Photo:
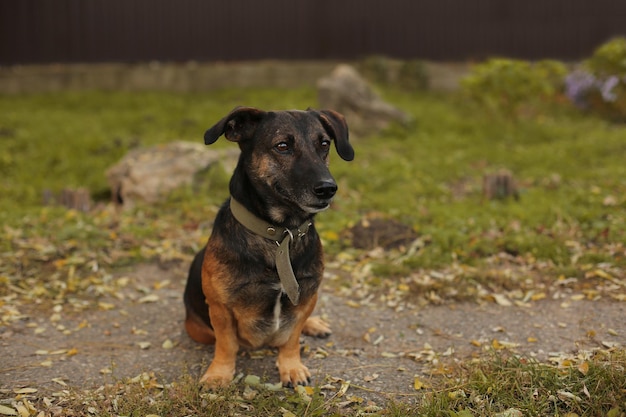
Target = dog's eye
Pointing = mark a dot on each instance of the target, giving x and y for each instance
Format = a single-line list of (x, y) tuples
[(282, 147), (325, 144)]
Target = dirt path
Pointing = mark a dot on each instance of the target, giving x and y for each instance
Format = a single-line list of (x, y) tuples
[(372, 346)]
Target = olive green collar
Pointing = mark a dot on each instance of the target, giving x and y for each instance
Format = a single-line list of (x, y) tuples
[(260, 227)]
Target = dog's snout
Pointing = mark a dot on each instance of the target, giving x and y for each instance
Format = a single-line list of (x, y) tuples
[(325, 189)]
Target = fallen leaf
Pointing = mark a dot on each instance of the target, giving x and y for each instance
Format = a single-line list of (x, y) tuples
[(538, 296), (286, 413), (144, 345), (151, 298), (344, 387), (583, 367), (7, 411), (502, 300), (370, 378), (252, 380), (511, 412), (566, 395), (25, 390)]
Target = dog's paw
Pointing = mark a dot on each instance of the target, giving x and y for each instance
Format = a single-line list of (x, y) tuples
[(217, 377), (293, 373), (316, 327)]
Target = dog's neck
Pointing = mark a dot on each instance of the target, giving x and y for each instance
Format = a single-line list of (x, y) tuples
[(282, 236), (263, 206)]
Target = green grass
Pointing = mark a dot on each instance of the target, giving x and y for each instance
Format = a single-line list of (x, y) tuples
[(570, 216), (498, 386), (427, 174)]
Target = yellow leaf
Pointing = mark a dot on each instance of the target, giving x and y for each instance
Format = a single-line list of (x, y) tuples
[(583, 368), (330, 235), (476, 343), (538, 296), (25, 391), (7, 411), (417, 384), (502, 300), (106, 306), (496, 344), (72, 352), (598, 273), (532, 340), (59, 263)]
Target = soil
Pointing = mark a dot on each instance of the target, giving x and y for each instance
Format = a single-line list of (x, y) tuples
[(372, 346)]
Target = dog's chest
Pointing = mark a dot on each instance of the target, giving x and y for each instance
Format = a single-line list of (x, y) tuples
[(273, 324)]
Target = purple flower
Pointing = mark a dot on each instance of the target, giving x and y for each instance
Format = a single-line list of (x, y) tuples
[(606, 88), (578, 84)]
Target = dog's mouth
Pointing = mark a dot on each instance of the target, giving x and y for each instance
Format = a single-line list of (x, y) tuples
[(316, 208), (310, 207)]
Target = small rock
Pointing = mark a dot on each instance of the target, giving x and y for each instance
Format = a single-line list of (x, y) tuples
[(348, 93)]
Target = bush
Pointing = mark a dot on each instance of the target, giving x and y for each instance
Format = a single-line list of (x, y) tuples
[(599, 85), (511, 85)]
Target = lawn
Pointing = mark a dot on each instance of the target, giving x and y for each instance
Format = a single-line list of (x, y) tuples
[(569, 219)]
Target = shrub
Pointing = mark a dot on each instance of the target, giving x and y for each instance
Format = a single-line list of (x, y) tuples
[(510, 85), (599, 85)]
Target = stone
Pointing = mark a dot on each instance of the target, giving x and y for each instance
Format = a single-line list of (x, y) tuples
[(347, 92), (150, 174)]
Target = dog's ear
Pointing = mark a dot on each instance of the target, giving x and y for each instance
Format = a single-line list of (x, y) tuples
[(336, 126), (238, 125)]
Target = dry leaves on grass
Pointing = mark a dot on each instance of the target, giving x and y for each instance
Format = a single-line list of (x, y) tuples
[(503, 279), (70, 258)]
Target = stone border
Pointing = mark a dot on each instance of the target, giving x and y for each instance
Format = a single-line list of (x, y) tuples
[(188, 77)]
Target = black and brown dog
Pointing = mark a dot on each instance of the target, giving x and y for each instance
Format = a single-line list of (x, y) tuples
[(255, 284)]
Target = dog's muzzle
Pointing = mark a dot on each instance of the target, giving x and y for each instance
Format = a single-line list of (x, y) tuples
[(325, 190)]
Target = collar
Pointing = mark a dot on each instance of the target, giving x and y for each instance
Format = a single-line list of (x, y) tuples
[(283, 237)]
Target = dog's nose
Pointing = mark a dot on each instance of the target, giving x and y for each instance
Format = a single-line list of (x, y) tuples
[(325, 189)]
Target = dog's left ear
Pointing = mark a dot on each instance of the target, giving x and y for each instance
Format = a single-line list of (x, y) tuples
[(239, 124), (336, 126)]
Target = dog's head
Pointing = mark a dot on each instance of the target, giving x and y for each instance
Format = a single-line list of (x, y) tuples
[(285, 155)]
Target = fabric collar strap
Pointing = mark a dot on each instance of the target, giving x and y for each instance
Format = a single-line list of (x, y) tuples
[(283, 261)]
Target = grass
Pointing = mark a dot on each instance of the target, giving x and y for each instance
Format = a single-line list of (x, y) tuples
[(570, 217), (499, 386)]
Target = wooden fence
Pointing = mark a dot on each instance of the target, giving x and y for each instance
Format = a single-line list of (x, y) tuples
[(70, 31)]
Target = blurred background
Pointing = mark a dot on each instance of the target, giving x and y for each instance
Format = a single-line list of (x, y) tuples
[(74, 31), (490, 141)]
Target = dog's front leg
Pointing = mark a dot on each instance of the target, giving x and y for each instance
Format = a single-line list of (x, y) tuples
[(222, 369), (290, 367)]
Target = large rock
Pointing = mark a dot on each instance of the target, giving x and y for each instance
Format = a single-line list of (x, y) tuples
[(348, 93), (150, 174)]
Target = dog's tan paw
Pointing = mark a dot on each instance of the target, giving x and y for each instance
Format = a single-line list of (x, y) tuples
[(293, 373), (316, 327), (217, 377)]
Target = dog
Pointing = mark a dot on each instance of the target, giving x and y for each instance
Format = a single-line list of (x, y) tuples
[(255, 283)]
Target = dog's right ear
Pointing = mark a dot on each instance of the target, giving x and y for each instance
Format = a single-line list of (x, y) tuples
[(238, 125)]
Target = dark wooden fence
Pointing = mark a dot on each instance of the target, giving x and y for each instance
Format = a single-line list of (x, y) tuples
[(45, 31)]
